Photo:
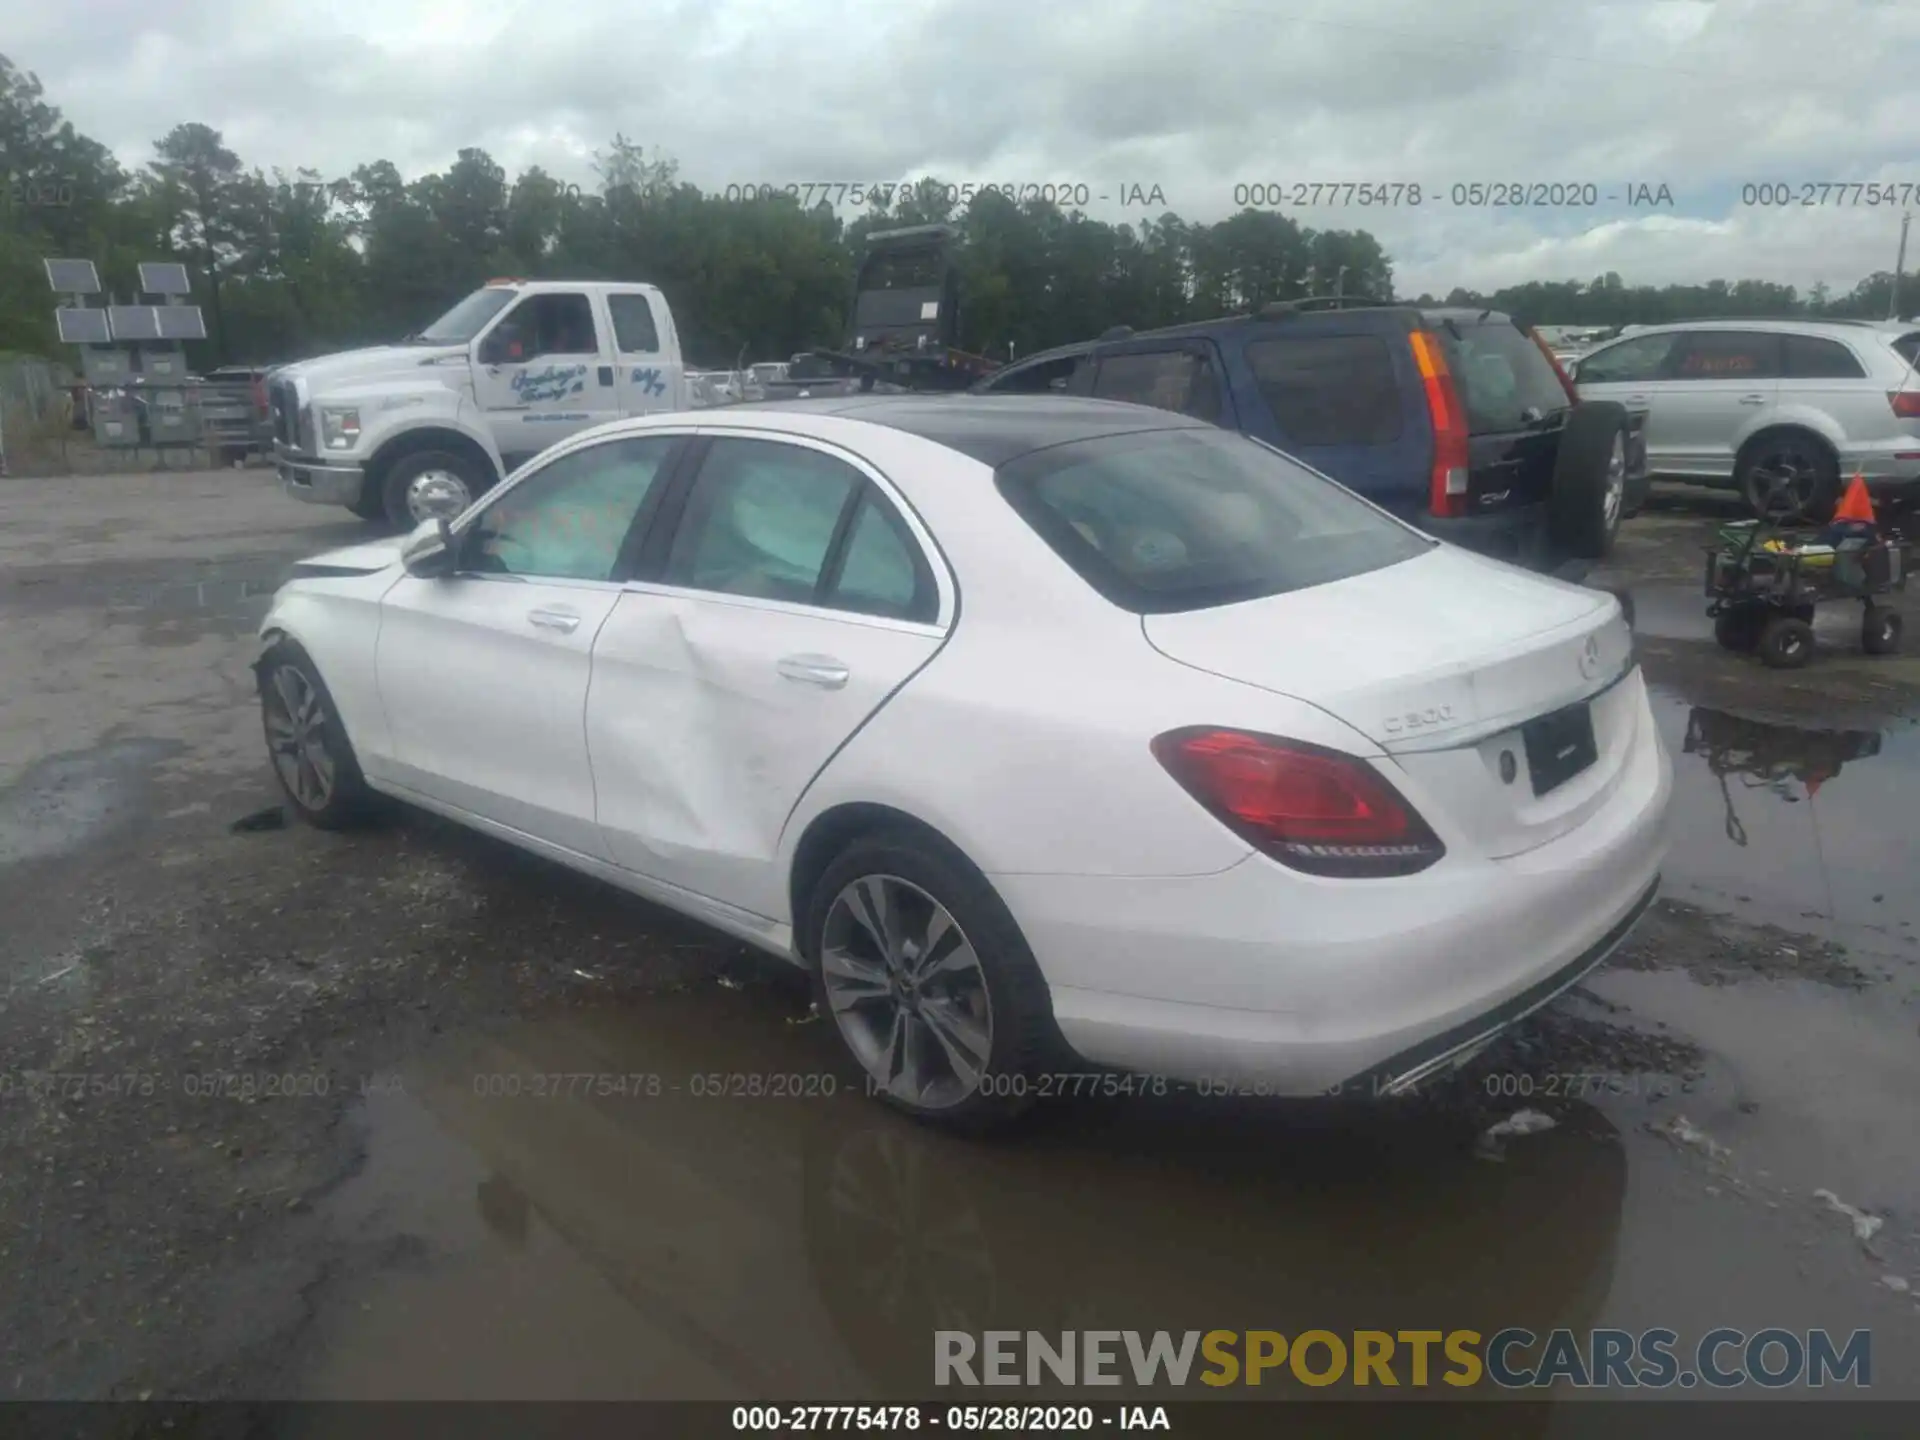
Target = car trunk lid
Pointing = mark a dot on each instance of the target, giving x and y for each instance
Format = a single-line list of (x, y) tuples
[(1448, 662)]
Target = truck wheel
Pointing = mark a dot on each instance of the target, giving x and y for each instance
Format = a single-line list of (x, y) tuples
[(429, 484), (1589, 493)]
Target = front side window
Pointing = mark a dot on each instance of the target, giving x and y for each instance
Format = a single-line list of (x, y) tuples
[(540, 325), (1176, 380), (761, 520), (1631, 362), (569, 520), (1172, 520)]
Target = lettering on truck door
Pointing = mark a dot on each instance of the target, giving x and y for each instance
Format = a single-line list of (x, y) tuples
[(541, 373), (649, 367)]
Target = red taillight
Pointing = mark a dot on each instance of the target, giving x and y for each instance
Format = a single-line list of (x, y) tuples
[(1447, 494), (1566, 381), (1906, 404), (1308, 807)]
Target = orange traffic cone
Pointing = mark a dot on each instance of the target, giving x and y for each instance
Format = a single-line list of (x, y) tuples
[(1856, 504)]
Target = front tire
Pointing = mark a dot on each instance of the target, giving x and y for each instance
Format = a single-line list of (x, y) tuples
[(431, 484), (306, 742), (928, 981)]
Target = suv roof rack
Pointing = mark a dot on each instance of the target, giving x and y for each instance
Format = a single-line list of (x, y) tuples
[(1278, 309)]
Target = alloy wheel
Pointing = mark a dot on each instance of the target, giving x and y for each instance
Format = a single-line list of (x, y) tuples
[(296, 721), (907, 992), (437, 494), (1783, 482), (1615, 496)]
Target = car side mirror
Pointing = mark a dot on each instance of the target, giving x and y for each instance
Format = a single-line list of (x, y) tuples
[(430, 551)]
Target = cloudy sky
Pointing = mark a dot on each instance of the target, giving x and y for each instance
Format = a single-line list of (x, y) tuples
[(1197, 97)]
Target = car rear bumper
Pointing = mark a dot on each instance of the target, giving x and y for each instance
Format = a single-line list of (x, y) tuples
[(1300, 986), (1887, 468)]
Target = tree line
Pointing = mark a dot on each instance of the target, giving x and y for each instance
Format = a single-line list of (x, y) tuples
[(291, 265)]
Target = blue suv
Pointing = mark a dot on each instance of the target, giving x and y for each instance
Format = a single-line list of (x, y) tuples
[(1456, 420)]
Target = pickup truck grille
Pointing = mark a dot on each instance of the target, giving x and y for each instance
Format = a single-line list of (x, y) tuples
[(286, 413)]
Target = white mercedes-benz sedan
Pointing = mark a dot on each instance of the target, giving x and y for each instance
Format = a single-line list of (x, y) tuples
[(1053, 736)]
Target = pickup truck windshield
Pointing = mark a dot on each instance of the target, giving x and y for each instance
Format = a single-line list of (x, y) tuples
[(465, 320)]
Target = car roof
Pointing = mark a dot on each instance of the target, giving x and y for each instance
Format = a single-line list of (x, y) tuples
[(1794, 326), (1278, 315), (992, 429)]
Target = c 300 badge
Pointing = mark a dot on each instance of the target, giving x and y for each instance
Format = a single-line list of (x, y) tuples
[(1419, 719)]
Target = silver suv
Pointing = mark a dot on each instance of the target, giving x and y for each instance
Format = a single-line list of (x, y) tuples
[(1781, 410)]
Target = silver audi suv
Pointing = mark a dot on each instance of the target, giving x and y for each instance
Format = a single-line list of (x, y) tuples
[(1784, 411)]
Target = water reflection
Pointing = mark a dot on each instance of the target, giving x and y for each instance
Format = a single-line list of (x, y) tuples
[(1764, 755), (799, 1248)]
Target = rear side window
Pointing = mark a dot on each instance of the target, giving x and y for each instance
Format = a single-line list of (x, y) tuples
[(1331, 390), (1908, 347), (1505, 382), (633, 328), (1171, 520), (761, 520), (1727, 355), (1182, 381), (1808, 357)]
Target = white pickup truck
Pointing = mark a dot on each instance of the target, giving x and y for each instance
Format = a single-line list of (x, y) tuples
[(411, 431)]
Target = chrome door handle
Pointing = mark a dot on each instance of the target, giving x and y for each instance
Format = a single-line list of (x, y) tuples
[(822, 670), (1753, 399), (564, 621), (1637, 399)]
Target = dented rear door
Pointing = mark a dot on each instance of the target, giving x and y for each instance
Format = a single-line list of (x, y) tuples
[(710, 710)]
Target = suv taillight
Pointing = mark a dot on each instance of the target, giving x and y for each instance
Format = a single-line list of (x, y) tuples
[(1559, 371), (1906, 404), (1308, 807), (1447, 488)]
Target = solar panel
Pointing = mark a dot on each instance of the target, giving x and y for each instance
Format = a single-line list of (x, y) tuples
[(73, 277), (134, 322), (181, 322), (82, 327), (163, 277)]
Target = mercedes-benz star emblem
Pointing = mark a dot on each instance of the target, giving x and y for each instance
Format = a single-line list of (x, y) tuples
[(1590, 657)]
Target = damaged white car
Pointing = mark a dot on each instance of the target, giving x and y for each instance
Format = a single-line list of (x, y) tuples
[(1048, 734)]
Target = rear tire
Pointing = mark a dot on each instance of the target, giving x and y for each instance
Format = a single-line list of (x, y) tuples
[(1786, 643), (949, 1019), (1788, 475), (1589, 494), (1880, 630), (307, 743)]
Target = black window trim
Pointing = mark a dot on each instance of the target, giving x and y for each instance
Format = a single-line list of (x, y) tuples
[(637, 529), (650, 549)]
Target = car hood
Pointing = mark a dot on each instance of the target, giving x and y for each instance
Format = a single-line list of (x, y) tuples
[(362, 559), (378, 362)]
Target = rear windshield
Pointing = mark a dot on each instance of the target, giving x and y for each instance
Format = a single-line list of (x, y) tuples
[(1170, 520), (1505, 382)]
